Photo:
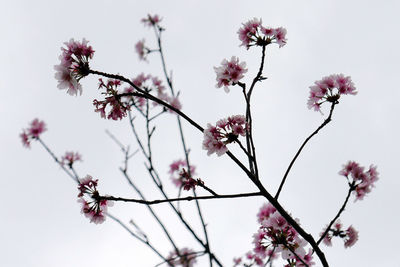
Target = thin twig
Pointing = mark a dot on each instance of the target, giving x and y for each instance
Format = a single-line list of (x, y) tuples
[(150, 209), (326, 121), (73, 176), (351, 189), (189, 198), (146, 242)]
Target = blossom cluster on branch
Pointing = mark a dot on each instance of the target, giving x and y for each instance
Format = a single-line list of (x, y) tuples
[(329, 89), (36, 128), (360, 181), (349, 236), (93, 207), (225, 132), (74, 65)]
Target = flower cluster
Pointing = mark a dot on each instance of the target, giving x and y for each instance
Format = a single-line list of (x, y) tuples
[(117, 109), (360, 181), (141, 50), (179, 176), (349, 236), (74, 65), (93, 207), (151, 20), (186, 258), (253, 33), (36, 128), (230, 72), (226, 131), (70, 157), (154, 83), (329, 89), (276, 236), (250, 259)]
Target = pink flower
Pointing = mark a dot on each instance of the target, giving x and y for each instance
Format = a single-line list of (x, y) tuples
[(361, 181), (335, 230), (74, 65), (237, 261), (174, 102), (141, 50), (36, 128), (25, 139), (280, 36), (140, 79), (252, 259), (66, 80), (329, 89), (230, 72), (186, 258), (252, 33), (307, 259), (259, 247), (149, 84), (151, 20), (248, 33), (351, 237), (157, 83), (136, 101), (265, 211), (276, 236), (70, 157), (93, 207), (115, 107), (225, 132), (179, 176), (188, 182)]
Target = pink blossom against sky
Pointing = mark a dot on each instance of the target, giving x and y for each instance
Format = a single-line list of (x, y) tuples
[(41, 216)]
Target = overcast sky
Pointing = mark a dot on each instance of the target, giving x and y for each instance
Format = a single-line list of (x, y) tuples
[(41, 225)]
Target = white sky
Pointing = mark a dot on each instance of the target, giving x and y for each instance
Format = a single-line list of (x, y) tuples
[(41, 224)]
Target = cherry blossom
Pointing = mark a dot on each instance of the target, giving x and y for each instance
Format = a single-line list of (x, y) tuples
[(277, 237), (70, 158), (186, 258), (115, 107), (74, 65), (151, 20), (140, 79), (230, 72), (361, 181), (236, 261), (141, 50), (226, 131), (93, 207), (349, 236), (152, 83), (249, 31), (265, 211), (25, 139), (252, 33), (34, 131), (329, 89), (174, 102), (137, 101), (157, 83), (176, 169)]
